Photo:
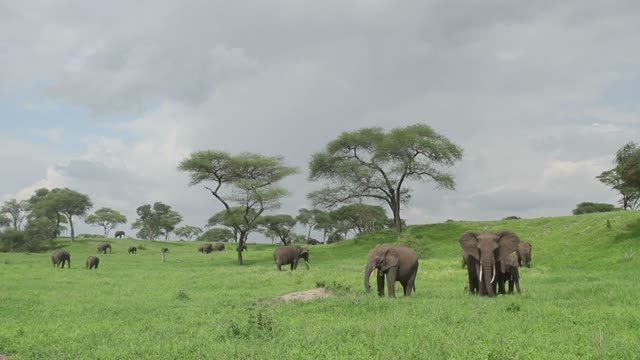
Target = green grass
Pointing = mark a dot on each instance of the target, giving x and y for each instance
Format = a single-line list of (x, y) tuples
[(580, 300)]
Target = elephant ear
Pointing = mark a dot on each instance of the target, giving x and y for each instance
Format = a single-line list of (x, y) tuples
[(389, 260), (469, 243), (508, 244)]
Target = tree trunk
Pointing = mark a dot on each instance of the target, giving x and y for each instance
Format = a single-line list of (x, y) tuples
[(309, 233), (241, 240), (71, 227), (396, 219)]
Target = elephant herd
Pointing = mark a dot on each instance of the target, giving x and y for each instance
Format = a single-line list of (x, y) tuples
[(492, 260)]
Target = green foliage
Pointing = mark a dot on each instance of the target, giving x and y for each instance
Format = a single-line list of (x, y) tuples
[(15, 211), (625, 176), (309, 218), (369, 163), (590, 207), (512, 217), (70, 203), (35, 237), (280, 225), (578, 301), (106, 218), (217, 235), (250, 181), (4, 221), (155, 220), (43, 205), (187, 232)]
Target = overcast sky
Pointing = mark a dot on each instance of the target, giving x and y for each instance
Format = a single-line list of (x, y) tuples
[(107, 97)]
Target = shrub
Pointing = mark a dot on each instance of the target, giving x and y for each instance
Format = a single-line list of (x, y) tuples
[(512, 217), (590, 207)]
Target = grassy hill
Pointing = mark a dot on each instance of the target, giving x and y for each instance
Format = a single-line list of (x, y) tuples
[(580, 300)]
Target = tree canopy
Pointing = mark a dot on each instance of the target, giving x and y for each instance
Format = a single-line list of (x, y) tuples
[(309, 218), (15, 211), (280, 225), (217, 234), (71, 203), (625, 176), (247, 181), (43, 205), (155, 220), (372, 163), (106, 218), (591, 207), (187, 232)]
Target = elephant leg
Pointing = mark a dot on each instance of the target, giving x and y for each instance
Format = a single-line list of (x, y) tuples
[(380, 278), (473, 283), (391, 281), (510, 283), (279, 266), (410, 284), (516, 279), (500, 280)]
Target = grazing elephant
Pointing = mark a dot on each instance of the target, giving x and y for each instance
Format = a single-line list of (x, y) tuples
[(132, 250), (284, 255), (119, 234), (313, 242), (484, 254), (102, 248), (397, 263), (164, 250), (59, 257), (206, 248), (92, 262), (219, 246)]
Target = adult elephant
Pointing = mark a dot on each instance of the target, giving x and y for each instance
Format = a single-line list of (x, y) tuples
[(521, 257), (313, 242), (397, 263), (119, 234), (285, 255), (92, 262), (102, 248), (484, 254), (132, 250), (59, 257), (219, 246)]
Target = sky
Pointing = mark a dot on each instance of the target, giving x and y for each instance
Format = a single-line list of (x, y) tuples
[(107, 98)]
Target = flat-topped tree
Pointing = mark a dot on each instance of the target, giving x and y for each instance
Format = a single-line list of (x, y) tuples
[(15, 211), (106, 218), (281, 225), (71, 203), (247, 181), (372, 163)]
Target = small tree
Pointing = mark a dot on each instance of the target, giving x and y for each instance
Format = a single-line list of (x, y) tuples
[(621, 177), (43, 205), (217, 234), (281, 225), (188, 231), (106, 218), (72, 203), (152, 220), (590, 207), (308, 218), (16, 211), (169, 221), (369, 163), (250, 178)]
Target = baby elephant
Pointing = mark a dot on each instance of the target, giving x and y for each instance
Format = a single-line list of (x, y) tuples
[(284, 255), (102, 248), (206, 249), (59, 257), (397, 263), (92, 262), (163, 252), (133, 250), (218, 246)]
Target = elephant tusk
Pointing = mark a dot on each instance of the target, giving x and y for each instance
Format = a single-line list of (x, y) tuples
[(481, 274), (494, 273)]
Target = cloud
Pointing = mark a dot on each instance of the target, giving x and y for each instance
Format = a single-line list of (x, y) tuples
[(525, 87)]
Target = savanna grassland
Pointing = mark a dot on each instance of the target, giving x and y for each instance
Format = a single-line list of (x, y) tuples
[(580, 300)]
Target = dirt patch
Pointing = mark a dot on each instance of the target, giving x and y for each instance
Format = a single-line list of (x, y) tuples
[(308, 295), (4, 357)]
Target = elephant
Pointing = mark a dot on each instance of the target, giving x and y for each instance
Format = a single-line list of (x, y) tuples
[(524, 254), (164, 250), (119, 234), (206, 248), (483, 255), (92, 262), (313, 242), (219, 246), (132, 250), (284, 255), (511, 273), (397, 263), (102, 248), (58, 258)]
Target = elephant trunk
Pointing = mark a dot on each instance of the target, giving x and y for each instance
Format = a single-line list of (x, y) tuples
[(367, 274), (487, 277), (307, 263)]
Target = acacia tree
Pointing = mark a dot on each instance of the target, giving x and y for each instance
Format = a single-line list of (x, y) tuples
[(250, 181), (217, 234), (16, 211), (106, 218), (72, 203), (169, 221), (188, 231), (360, 218), (280, 225), (371, 163), (153, 221), (621, 177), (309, 218), (43, 205)]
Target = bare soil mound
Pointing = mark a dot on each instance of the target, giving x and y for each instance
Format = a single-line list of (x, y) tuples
[(308, 295)]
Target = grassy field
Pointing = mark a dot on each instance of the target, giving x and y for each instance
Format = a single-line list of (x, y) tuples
[(580, 300)]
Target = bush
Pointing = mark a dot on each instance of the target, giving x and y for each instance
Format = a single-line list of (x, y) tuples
[(590, 207), (35, 237), (512, 217)]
